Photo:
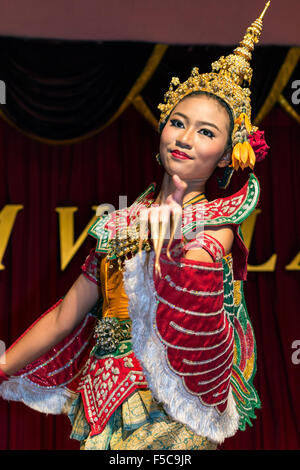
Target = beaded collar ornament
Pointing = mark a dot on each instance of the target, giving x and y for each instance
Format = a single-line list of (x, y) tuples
[(229, 80), (126, 241)]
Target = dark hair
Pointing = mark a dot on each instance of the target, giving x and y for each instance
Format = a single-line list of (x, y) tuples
[(220, 101)]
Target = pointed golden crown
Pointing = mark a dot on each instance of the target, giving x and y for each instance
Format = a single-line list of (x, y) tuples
[(230, 79)]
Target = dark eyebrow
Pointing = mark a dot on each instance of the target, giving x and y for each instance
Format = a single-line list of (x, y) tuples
[(198, 122)]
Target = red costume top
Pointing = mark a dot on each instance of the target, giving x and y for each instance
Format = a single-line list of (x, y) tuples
[(191, 339)]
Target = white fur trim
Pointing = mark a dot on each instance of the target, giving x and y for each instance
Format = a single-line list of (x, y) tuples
[(46, 400), (166, 386)]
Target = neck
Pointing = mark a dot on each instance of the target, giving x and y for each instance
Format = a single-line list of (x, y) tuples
[(194, 188)]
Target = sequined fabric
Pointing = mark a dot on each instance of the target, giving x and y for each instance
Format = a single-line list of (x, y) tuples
[(129, 425), (140, 423)]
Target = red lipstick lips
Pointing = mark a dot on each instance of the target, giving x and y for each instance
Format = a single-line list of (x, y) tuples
[(180, 155)]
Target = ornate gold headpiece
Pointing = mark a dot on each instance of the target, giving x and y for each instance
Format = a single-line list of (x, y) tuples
[(230, 80)]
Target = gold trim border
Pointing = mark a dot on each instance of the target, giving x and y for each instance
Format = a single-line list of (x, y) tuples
[(279, 84), (148, 71), (143, 108)]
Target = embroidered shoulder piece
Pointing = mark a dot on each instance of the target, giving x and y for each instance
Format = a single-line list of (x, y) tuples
[(233, 209), (244, 361), (104, 229), (236, 208)]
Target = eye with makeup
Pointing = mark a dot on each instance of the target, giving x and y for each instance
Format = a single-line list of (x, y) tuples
[(180, 125), (176, 123), (211, 134)]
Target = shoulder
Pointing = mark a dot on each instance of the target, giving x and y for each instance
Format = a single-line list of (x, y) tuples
[(233, 209), (222, 236), (221, 219)]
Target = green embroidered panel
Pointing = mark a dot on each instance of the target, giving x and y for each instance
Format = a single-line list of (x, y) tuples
[(244, 363), (233, 209)]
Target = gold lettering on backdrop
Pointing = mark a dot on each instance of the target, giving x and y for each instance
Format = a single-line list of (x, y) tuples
[(7, 219), (247, 229), (66, 234), (68, 248), (66, 231), (294, 264)]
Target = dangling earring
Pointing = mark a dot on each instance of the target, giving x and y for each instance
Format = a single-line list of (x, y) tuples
[(224, 181), (158, 158)]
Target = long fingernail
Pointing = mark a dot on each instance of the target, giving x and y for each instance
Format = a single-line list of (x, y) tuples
[(157, 268)]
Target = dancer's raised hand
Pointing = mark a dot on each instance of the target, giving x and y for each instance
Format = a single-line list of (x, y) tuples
[(165, 220)]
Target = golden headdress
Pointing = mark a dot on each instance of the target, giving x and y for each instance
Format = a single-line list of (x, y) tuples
[(229, 80)]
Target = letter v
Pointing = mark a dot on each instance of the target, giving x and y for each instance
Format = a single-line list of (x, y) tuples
[(66, 234), (7, 219)]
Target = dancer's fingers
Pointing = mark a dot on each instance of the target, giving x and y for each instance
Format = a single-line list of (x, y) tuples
[(157, 268), (176, 220), (164, 223), (154, 226), (143, 218), (171, 239), (162, 235)]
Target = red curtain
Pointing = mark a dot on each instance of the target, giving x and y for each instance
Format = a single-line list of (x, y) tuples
[(121, 161)]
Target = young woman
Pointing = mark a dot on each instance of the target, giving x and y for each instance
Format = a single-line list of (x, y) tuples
[(170, 362)]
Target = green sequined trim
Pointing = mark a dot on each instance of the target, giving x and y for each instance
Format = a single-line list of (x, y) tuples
[(243, 390)]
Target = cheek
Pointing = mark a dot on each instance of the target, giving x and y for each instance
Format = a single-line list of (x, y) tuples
[(216, 145), (207, 147), (166, 134), (165, 139), (210, 151)]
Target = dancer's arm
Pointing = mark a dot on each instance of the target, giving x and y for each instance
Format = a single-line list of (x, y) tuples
[(224, 235), (54, 326)]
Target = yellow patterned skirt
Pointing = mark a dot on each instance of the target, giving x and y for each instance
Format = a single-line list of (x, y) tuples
[(140, 423)]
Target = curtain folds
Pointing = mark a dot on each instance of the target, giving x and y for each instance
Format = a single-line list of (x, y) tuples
[(61, 92)]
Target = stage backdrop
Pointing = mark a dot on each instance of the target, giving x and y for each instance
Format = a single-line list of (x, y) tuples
[(78, 130)]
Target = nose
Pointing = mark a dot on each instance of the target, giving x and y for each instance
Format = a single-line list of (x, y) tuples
[(185, 140)]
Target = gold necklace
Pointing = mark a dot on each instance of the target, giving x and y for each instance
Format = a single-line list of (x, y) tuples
[(126, 242)]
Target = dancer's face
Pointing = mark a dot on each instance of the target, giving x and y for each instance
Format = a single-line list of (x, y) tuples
[(198, 129)]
